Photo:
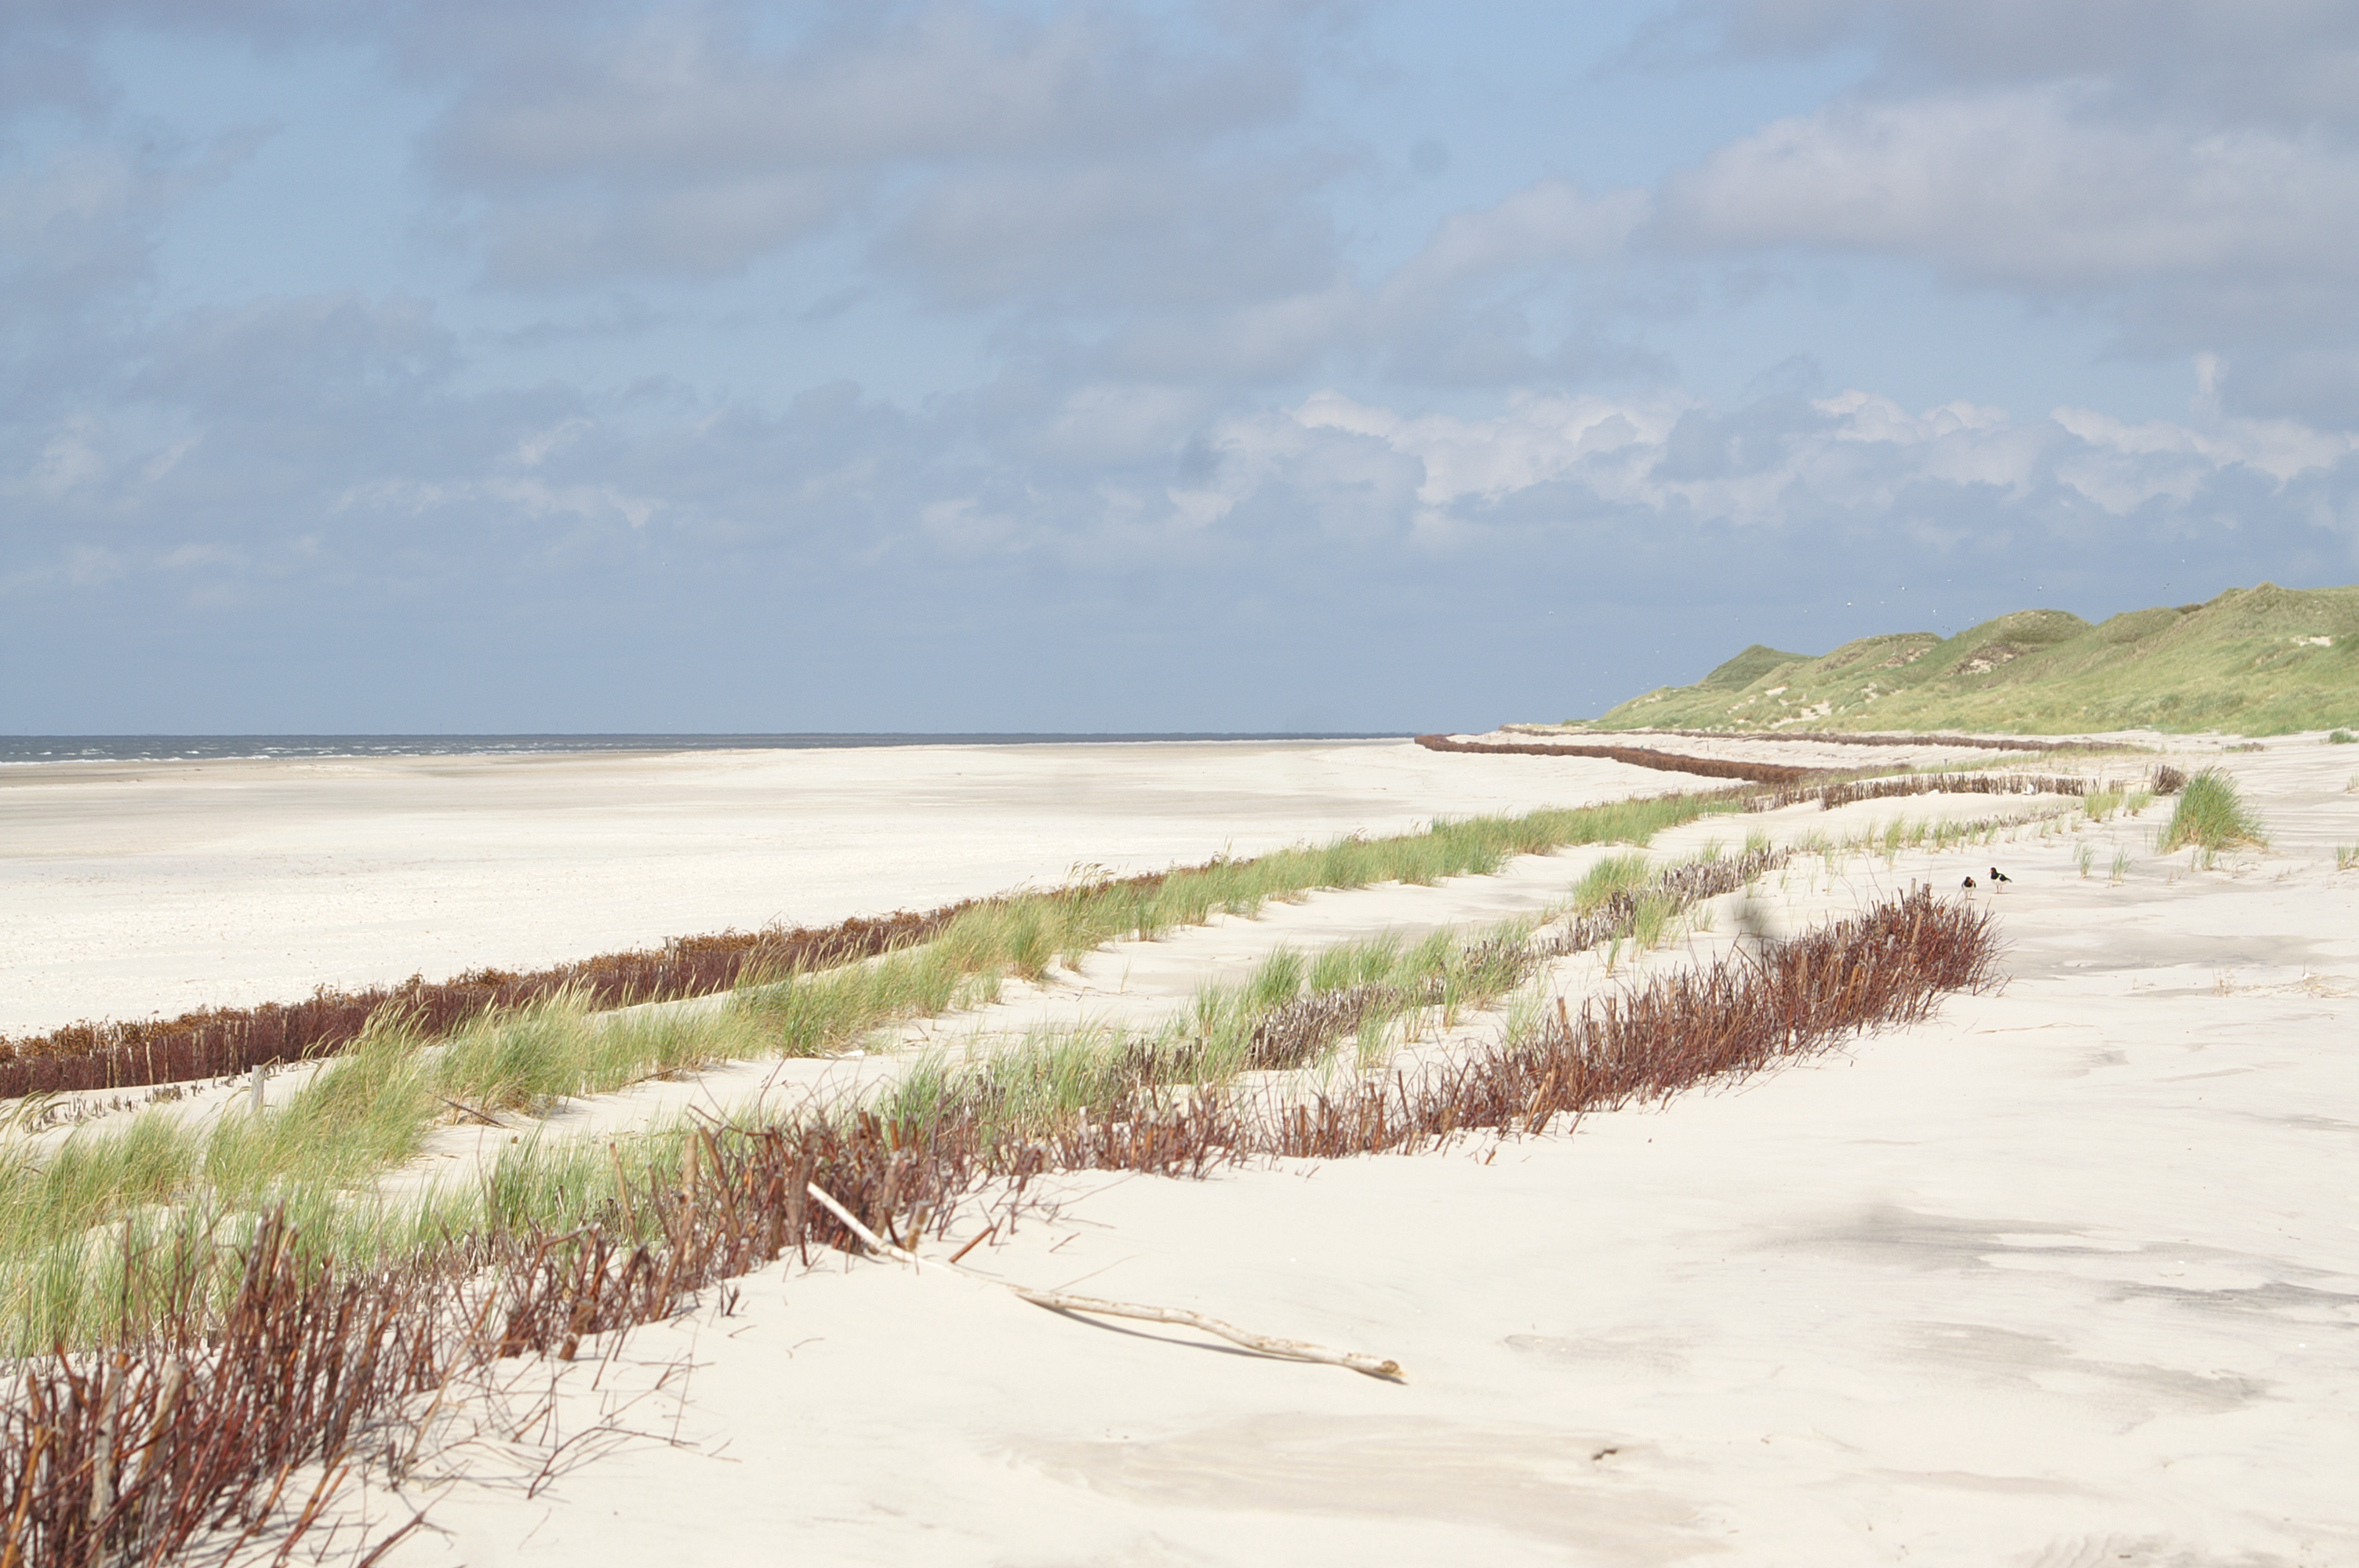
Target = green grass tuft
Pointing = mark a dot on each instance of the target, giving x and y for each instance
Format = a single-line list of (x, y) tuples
[(2212, 815), (1613, 874)]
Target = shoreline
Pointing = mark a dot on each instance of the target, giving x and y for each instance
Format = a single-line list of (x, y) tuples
[(30, 751)]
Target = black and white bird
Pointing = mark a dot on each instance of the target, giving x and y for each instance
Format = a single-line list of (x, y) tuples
[(1999, 876), (1969, 882)]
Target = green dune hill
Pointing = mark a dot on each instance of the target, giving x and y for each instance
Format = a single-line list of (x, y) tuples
[(2257, 661)]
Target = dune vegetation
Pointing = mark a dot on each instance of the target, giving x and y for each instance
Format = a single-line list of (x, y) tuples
[(2212, 815), (219, 1383), (1020, 933), (87, 1220), (107, 1228), (2258, 661)]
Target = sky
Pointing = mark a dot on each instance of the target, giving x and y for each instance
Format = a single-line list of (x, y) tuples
[(592, 365)]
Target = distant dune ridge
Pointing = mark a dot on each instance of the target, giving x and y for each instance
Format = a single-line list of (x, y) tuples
[(2257, 661)]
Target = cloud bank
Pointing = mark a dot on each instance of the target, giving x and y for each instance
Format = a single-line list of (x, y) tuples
[(1206, 411)]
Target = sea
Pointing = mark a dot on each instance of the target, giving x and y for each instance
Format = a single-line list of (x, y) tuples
[(34, 748)]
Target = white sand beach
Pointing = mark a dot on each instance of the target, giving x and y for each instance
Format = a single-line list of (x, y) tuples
[(139, 888), (2066, 1276)]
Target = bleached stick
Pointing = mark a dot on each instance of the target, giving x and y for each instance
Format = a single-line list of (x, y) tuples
[(1269, 1345), (1058, 1301), (876, 1242)]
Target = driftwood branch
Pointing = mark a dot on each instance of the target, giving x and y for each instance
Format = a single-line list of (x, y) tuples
[(1268, 1345), (1058, 1301)]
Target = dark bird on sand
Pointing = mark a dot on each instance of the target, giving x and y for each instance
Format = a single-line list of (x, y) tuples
[(1999, 876), (1969, 882)]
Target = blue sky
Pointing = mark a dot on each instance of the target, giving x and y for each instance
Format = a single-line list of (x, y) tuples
[(1222, 366)]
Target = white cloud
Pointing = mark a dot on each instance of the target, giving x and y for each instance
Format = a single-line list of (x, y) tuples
[(1540, 439), (2028, 189), (2186, 171), (1110, 422), (2279, 448), (2286, 62), (1857, 453), (680, 145), (92, 463), (2122, 466), (70, 459), (535, 448), (1551, 223)]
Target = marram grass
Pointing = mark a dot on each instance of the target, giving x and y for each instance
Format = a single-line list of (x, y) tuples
[(140, 1454), (86, 1231), (2212, 815), (145, 1224), (78, 1215)]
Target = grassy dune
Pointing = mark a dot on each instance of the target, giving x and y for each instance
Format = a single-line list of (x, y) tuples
[(2258, 661)]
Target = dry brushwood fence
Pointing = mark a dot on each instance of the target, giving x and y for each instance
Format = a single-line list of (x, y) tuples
[(1885, 969), (1636, 756), (201, 1437), (216, 1043), (1300, 1032), (1831, 795), (190, 1441), (1842, 738), (1689, 882)]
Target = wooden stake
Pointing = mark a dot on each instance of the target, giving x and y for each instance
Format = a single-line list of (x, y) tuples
[(175, 1379), (101, 1473)]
